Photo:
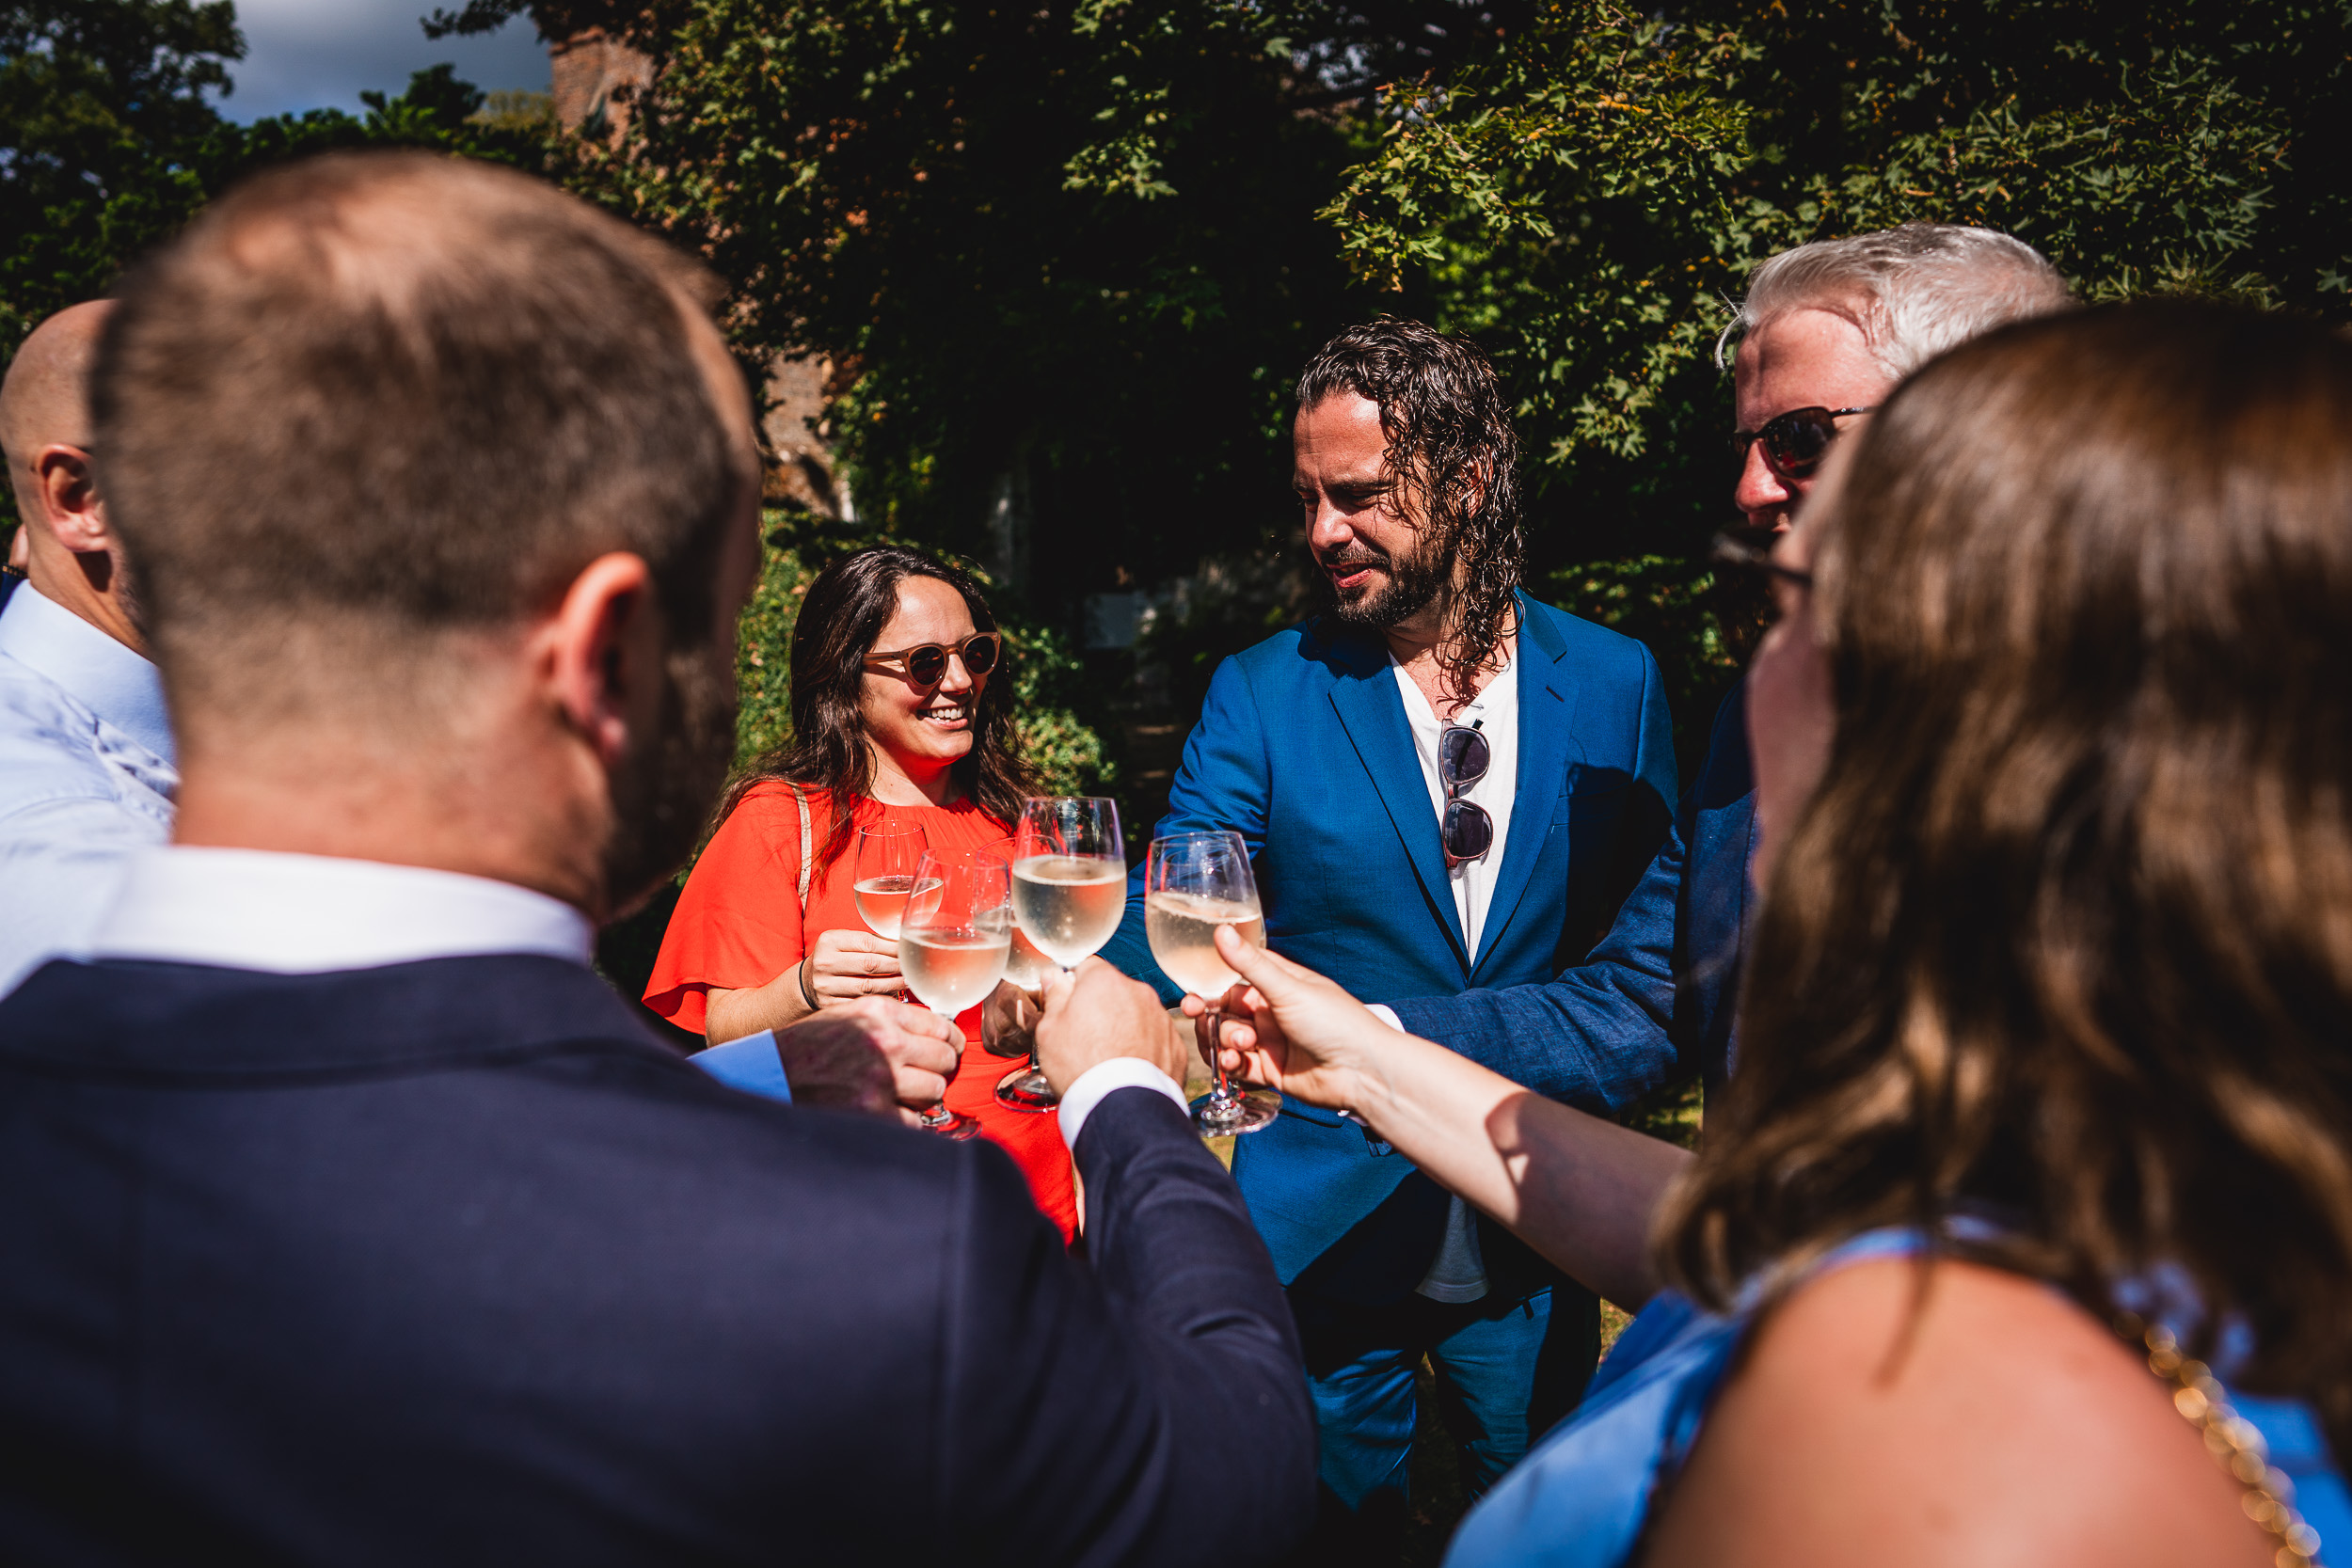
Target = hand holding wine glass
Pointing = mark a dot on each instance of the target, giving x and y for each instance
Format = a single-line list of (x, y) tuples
[(952, 941), (1284, 1025), (1069, 892), (1194, 885)]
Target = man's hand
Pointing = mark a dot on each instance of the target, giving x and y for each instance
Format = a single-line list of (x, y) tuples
[(874, 1056), (1288, 1026), (1098, 1013)]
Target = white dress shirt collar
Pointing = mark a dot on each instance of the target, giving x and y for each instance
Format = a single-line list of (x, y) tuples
[(109, 679), (313, 914)]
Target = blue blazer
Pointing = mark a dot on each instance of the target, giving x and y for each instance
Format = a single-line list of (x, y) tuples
[(1303, 748), (450, 1262), (1657, 995)]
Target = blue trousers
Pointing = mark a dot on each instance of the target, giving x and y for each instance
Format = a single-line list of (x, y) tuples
[(1507, 1368)]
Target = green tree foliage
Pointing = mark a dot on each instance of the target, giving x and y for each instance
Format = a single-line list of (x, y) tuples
[(106, 108), (115, 142), (1589, 197), (1058, 253)]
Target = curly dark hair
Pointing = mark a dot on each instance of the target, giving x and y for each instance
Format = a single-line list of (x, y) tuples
[(1456, 457), (843, 612)]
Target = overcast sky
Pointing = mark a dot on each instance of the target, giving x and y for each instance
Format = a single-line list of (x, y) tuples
[(323, 54)]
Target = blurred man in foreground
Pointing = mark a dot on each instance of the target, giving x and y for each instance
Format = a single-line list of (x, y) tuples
[(87, 774), (345, 1214)]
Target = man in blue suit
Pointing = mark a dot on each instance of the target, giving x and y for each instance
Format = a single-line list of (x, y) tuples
[(346, 1215), (1442, 784), (1827, 331)]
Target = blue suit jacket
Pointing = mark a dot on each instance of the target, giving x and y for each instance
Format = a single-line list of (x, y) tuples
[(1303, 748), (450, 1262), (1660, 990)]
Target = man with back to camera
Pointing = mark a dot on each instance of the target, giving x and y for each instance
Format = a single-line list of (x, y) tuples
[(1824, 333), (345, 1214), (1441, 783), (87, 770), (87, 774)]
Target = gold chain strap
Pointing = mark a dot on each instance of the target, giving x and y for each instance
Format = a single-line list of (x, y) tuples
[(2269, 1500)]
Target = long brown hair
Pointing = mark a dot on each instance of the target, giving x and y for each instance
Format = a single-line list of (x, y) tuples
[(843, 612), (2066, 929)]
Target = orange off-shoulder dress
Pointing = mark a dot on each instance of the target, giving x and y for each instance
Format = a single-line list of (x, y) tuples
[(738, 925)]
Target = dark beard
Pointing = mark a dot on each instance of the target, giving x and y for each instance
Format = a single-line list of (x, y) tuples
[(663, 795), (1414, 583)]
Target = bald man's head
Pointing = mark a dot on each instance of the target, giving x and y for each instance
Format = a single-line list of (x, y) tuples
[(45, 399)]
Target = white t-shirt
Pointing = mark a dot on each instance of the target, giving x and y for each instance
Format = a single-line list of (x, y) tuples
[(1458, 1274)]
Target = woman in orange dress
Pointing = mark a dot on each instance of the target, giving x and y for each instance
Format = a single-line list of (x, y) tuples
[(896, 720)]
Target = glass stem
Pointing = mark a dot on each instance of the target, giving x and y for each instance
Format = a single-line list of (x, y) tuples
[(938, 1116), (1035, 1066), (1221, 1091)]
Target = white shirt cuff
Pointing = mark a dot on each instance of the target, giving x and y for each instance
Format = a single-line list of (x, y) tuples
[(1385, 1014), (1105, 1078)]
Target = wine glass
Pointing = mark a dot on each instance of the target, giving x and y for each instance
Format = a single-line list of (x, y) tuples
[(1069, 892), (887, 855), (1026, 969), (1192, 884), (952, 939)]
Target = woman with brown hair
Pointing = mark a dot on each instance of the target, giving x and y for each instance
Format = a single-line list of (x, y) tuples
[(901, 725), (2024, 1232)]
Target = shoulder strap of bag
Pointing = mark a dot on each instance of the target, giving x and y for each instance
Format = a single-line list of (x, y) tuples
[(801, 797)]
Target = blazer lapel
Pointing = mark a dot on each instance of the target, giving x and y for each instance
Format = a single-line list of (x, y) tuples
[(1547, 724), (1373, 713)]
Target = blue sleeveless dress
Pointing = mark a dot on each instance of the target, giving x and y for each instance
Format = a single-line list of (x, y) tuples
[(1582, 1497)]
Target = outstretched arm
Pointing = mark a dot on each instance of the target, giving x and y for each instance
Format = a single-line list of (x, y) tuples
[(1577, 1189)]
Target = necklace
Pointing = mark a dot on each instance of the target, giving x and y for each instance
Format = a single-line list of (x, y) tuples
[(2231, 1438)]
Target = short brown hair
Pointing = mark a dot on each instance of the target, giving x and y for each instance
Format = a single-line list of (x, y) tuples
[(411, 391), (2065, 932)]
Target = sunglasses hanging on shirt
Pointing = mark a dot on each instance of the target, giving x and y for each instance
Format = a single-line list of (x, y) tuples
[(1466, 831)]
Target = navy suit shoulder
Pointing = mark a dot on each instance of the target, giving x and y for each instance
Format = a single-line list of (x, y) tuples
[(449, 1262)]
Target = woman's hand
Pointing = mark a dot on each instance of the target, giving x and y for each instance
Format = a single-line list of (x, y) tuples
[(1008, 1019), (844, 966), (1290, 1027), (1580, 1189), (847, 963)]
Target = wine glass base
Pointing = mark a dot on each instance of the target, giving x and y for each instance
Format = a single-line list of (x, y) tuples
[(952, 1125), (1247, 1113), (1025, 1089)]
